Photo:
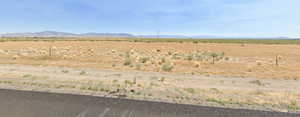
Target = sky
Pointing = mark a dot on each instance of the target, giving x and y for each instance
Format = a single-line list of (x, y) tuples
[(235, 18)]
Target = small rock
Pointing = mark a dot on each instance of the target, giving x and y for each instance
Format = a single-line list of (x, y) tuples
[(113, 51), (15, 57)]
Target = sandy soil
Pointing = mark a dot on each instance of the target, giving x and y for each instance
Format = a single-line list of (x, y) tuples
[(250, 93), (233, 60), (234, 75)]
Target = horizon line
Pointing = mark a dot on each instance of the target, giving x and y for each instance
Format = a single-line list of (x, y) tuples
[(141, 35)]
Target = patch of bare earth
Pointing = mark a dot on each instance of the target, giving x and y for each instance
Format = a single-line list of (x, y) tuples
[(250, 93), (237, 75), (230, 60)]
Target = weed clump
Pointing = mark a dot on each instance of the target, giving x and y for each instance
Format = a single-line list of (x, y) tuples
[(127, 61), (82, 73), (167, 67), (293, 106), (144, 59), (195, 42), (65, 71), (189, 57), (128, 82), (257, 82), (190, 90), (27, 76)]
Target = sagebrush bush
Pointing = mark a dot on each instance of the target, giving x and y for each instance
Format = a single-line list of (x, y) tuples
[(144, 59), (190, 90), (167, 67), (82, 73), (189, 57), (127, 61)]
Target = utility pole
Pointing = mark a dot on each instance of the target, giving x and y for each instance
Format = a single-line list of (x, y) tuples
[(157, 34)]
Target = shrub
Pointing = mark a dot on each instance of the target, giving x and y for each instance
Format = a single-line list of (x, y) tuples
[(257, 82), (219, 101), (82, 73), (127, 54), (162, 79), (258, 92), (190, 90), (128, 82), (189, 57), (278, 57), (227, 58), (215, 90), (65, 71), (222, 55), (115, 81), (127, 61), (144, 59), (163, 59), (293, 106), (27, 76), (167, 67)]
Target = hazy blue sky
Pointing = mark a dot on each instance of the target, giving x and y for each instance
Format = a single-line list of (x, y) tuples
[(187, 17)]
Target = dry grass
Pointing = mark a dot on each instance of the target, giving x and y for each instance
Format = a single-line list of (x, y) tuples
[(254, 64), (274, 93), (230, 60)]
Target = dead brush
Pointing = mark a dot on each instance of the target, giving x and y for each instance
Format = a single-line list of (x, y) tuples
[(161, 60), (257, 82), (189, 57), (127, 59), (144, 59), (167, 67), (277, 59)]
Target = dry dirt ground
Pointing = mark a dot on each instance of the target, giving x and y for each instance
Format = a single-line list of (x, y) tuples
[(242, 76), (232, 60), (250, 93)]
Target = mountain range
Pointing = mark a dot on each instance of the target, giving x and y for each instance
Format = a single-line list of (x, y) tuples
[(66, 34)]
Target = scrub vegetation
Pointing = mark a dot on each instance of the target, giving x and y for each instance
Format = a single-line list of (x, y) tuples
[(260, 74)]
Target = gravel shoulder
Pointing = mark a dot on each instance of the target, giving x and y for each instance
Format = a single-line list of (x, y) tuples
[(249, 93)]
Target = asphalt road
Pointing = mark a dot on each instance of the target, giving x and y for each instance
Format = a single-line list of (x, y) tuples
[(36, 104)]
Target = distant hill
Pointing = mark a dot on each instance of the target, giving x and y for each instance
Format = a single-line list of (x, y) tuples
[(40, 34), (107, 35), (66, 34), (164, 36)]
